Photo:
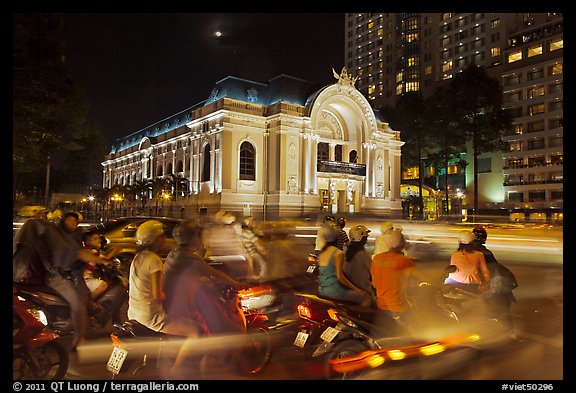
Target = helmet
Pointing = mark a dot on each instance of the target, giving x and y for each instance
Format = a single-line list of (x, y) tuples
[(465, 237), (386, 226), (328, 219), (341, 222), (149, 231), (480, 233), (329, 232), (358, 232), (394, 239)]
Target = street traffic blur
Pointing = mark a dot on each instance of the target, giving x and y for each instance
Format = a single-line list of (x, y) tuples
[(534, 252)]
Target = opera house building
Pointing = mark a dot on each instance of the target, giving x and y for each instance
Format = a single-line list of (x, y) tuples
[(284, 148)]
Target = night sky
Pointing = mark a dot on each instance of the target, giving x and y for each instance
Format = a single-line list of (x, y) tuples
[(137, 69)]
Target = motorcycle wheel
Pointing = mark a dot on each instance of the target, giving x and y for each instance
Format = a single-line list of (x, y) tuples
[(340, 350), (257, 352), (52, 359)]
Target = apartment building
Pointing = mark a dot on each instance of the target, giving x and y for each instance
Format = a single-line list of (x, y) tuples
[(395, 53)]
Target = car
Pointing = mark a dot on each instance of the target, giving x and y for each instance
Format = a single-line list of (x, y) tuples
[(121, 233)]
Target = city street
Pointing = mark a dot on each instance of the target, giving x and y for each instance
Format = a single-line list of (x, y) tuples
[(535, 256)]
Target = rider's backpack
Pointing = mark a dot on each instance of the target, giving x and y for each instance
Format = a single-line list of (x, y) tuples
[(502, 279), (27, 265)]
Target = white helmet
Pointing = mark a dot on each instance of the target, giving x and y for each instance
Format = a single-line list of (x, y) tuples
[(357, 232), (394, 239), (466, 237), (149, 231), (386, 226)]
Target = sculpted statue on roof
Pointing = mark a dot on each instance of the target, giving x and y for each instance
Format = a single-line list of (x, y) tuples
[(344, 78)]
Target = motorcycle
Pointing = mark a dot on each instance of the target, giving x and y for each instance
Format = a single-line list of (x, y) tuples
[(331, 329), (139, 352), (57, 310), (36, 353)]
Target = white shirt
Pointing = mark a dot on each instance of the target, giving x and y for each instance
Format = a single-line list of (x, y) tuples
[(141, 304)]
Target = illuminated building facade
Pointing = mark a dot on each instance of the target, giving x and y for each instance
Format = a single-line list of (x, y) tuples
[(395, 53), (533, 88), (287, 147)]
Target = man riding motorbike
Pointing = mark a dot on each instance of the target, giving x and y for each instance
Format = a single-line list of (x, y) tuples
[(193, 288), (502, 281), (58, 251)]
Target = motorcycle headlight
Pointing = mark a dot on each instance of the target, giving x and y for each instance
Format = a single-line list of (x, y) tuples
[(38, 314)]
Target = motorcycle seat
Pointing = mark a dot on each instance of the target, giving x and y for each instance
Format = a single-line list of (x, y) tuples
[(35, 288), (140, 330)]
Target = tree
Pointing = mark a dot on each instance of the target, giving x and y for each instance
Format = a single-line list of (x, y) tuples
[(477, 102), (448, 141), (86, 146), (409, 116), (46, 102)]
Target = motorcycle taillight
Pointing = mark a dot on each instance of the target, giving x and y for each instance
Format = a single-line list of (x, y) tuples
[(115, 340), (304, 311)]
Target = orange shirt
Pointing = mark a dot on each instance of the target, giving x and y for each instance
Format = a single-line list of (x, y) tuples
[(470, 265), (390, 272)]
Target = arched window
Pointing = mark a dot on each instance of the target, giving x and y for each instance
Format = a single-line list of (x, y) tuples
[(180, 166), (206, 164), (160, 171), (338, 153), (247, 161), (169, 170), (353, 156)]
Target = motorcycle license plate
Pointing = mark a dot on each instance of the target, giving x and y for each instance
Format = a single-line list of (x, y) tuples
[(329, 334), (311, 269), (300, 340), (116, 360)]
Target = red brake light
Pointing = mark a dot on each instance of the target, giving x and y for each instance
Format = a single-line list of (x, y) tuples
[(304, 311)]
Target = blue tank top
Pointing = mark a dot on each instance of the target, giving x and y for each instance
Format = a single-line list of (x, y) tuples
[(328, 282)]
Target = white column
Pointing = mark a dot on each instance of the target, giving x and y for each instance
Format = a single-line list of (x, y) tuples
[(368, 177), (386, 173), (314, 166), (304, 158), (397, 174), (331, 152)]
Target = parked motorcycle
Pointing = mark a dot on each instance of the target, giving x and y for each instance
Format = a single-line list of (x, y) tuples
[(139, 352), (57, 309), (36, 353)]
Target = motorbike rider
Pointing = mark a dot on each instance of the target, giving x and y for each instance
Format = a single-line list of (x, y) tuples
[(109, 292), (333, 282), (471, 274), (343, 239), (358, 261), (194, 289), (379, 243), (60, 251), (502, 281), (319, 240), (146, 296), (391, 271)]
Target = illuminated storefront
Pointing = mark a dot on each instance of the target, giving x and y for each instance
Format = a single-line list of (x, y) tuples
[(283, 148)]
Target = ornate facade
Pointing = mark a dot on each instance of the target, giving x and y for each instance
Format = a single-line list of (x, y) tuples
[(284, 148)]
